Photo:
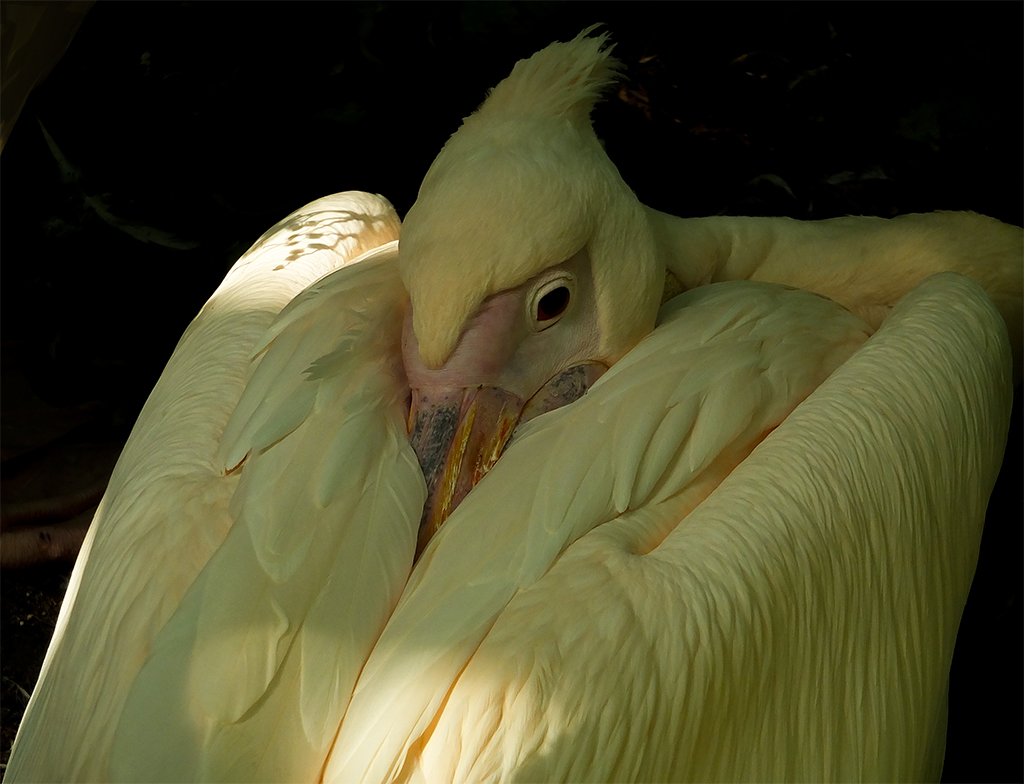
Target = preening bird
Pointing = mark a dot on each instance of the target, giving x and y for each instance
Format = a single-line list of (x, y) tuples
[(480, 507)]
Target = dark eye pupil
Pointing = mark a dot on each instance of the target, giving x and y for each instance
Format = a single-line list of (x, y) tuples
[(553, 303)]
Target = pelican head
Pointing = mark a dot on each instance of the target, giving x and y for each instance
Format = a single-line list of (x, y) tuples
[(530, 267)]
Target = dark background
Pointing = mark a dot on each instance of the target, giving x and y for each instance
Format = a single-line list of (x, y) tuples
[(197, 126)]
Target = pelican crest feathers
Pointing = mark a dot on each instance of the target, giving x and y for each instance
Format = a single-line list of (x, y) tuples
[(562, 79)]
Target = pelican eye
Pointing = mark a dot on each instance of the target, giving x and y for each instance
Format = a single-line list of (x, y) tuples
[(550, 299), (553, 304)]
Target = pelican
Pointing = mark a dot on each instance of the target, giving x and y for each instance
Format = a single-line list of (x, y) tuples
[(482, 508)]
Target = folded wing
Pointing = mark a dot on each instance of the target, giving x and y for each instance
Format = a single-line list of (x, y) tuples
[(166, 509), (797, 625)]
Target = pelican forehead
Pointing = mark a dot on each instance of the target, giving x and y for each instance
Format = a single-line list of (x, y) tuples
[(485, 224)]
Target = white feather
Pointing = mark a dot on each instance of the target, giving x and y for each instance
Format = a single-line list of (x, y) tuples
[(483, 556), (166, 509), (703, 659), (271, 637)]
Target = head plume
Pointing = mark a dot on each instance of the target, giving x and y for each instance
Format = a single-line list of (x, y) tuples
[(561, 80)]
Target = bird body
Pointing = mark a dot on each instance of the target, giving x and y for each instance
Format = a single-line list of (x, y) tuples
[(741, 554)]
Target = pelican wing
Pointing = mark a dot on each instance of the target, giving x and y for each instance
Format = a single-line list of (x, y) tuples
[(797, 625), (250, 677), (167, 507), (657, 432)]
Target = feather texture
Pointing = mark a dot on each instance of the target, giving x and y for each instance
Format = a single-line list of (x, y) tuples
[(626, 662), (540, 498), (250, 677), (167, 506)]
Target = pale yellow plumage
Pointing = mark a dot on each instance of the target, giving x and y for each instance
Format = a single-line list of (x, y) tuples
[(246, 606), (166, 508), (784, 617), (864, 263)]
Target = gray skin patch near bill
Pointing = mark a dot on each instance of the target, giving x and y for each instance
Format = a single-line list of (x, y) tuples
[(451, 469), (432, 433), (564, 388)]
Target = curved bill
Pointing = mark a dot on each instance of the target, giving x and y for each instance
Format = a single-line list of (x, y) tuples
[(458, 434)]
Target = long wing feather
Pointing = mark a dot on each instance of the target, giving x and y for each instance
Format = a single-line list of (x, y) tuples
[(251, 676), (166, 509), (581, 466), (798, 625)]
